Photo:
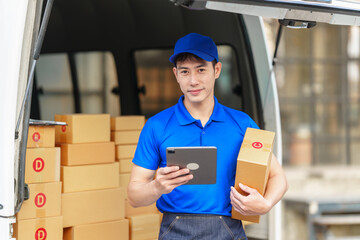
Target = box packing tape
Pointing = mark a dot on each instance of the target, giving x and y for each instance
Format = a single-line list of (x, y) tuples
[(266, 147), (40, 226)]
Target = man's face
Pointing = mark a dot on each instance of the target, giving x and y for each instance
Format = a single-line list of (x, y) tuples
[(197, 79)]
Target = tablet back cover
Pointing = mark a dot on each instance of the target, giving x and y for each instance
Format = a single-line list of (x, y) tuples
[(200, 160)]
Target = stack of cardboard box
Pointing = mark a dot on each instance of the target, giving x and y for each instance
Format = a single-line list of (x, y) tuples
[(40, 215), (92, 201), (125, 132)]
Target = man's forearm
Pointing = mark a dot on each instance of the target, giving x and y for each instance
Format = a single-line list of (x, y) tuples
[(142, 194), (276, 188)]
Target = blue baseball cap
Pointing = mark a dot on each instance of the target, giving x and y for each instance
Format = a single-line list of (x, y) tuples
[(197, 44)]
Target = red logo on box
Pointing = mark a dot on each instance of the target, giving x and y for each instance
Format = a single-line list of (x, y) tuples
[(40, 234), (257, 145), (38, 164), (63, 128), (40, 200), (36, 136)]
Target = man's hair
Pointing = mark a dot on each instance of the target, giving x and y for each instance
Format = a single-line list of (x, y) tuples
[(182, 57)]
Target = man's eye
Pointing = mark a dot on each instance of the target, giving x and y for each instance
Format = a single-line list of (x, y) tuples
[(201, 70), (184, 72)]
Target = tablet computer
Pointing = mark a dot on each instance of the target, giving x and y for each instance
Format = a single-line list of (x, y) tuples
[(200, 160)]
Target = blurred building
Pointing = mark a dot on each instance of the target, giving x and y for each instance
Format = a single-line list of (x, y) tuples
[(317, 74)]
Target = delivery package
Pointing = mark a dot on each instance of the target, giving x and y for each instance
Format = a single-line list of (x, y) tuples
[(44, 201), (89, 177), (125, 137), (39, 229), (124, 179), (114, 230), (253, 165), (83, 128), (42, 165), (125, 165), (125, 151), (87, 153), (41, 136), (131, 122), (145, 226), (131, 211), (79, 208)]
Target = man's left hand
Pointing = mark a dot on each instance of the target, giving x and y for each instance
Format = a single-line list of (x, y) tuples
[(252, 204)]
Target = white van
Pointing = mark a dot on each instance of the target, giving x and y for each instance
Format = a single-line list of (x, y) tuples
[(112, 56)]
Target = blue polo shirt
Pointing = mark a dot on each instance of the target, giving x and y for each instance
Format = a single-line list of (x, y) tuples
[(175, 127)]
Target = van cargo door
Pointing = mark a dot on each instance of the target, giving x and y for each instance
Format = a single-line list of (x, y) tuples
[(339, 12)]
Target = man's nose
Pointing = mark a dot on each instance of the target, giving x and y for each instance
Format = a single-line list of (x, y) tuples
[(193, 80)]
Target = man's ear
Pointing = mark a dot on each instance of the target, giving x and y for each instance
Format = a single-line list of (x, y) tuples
[(217, 68), (175, 72)]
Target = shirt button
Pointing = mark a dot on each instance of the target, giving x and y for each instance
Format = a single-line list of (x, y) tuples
[(203, 132)]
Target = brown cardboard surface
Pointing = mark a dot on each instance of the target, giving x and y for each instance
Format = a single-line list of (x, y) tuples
[(39, 228), (79, 208), (83, 128), (125, 165), (131, 211), (125, 137), (89, 177), (44, 201), (253, 165), (115, 230), (127, 123), (87, 153), (41, 136), (125, 151), (146, 226), (124, 182), (42, 165)]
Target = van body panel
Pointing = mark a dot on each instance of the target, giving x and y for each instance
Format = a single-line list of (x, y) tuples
[(271, 111), (12, 53), (327, 11)]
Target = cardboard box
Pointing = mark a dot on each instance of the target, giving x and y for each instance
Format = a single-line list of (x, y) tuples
[(125, 151), (39, 229), (125, 137), (83, 128), (145, 226), (87, 153), (131, 211), (41, 136), (124, 182), (42, 165), (127, 123), (116, 230), (253, 164), (125, 165), (79, 208), (44, 201), (89, 177)]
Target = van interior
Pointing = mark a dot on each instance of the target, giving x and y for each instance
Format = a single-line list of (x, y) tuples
[(112, 57)]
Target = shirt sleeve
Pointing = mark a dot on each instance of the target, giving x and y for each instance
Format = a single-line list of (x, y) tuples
[(252, 123), (147, 154)]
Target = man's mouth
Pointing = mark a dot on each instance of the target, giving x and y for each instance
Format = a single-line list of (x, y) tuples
[(195, 91)]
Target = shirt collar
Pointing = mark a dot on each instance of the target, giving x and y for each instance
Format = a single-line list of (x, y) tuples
[(185, 118)]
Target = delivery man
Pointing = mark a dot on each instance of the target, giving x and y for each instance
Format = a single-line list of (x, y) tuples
[(198, 119)]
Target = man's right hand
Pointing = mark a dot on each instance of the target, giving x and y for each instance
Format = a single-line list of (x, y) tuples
[(145, 188), (168, 178)]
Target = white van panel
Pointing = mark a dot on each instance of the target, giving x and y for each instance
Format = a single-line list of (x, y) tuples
[(12, 24), (270, 103), (287, 13), (16, 38)]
